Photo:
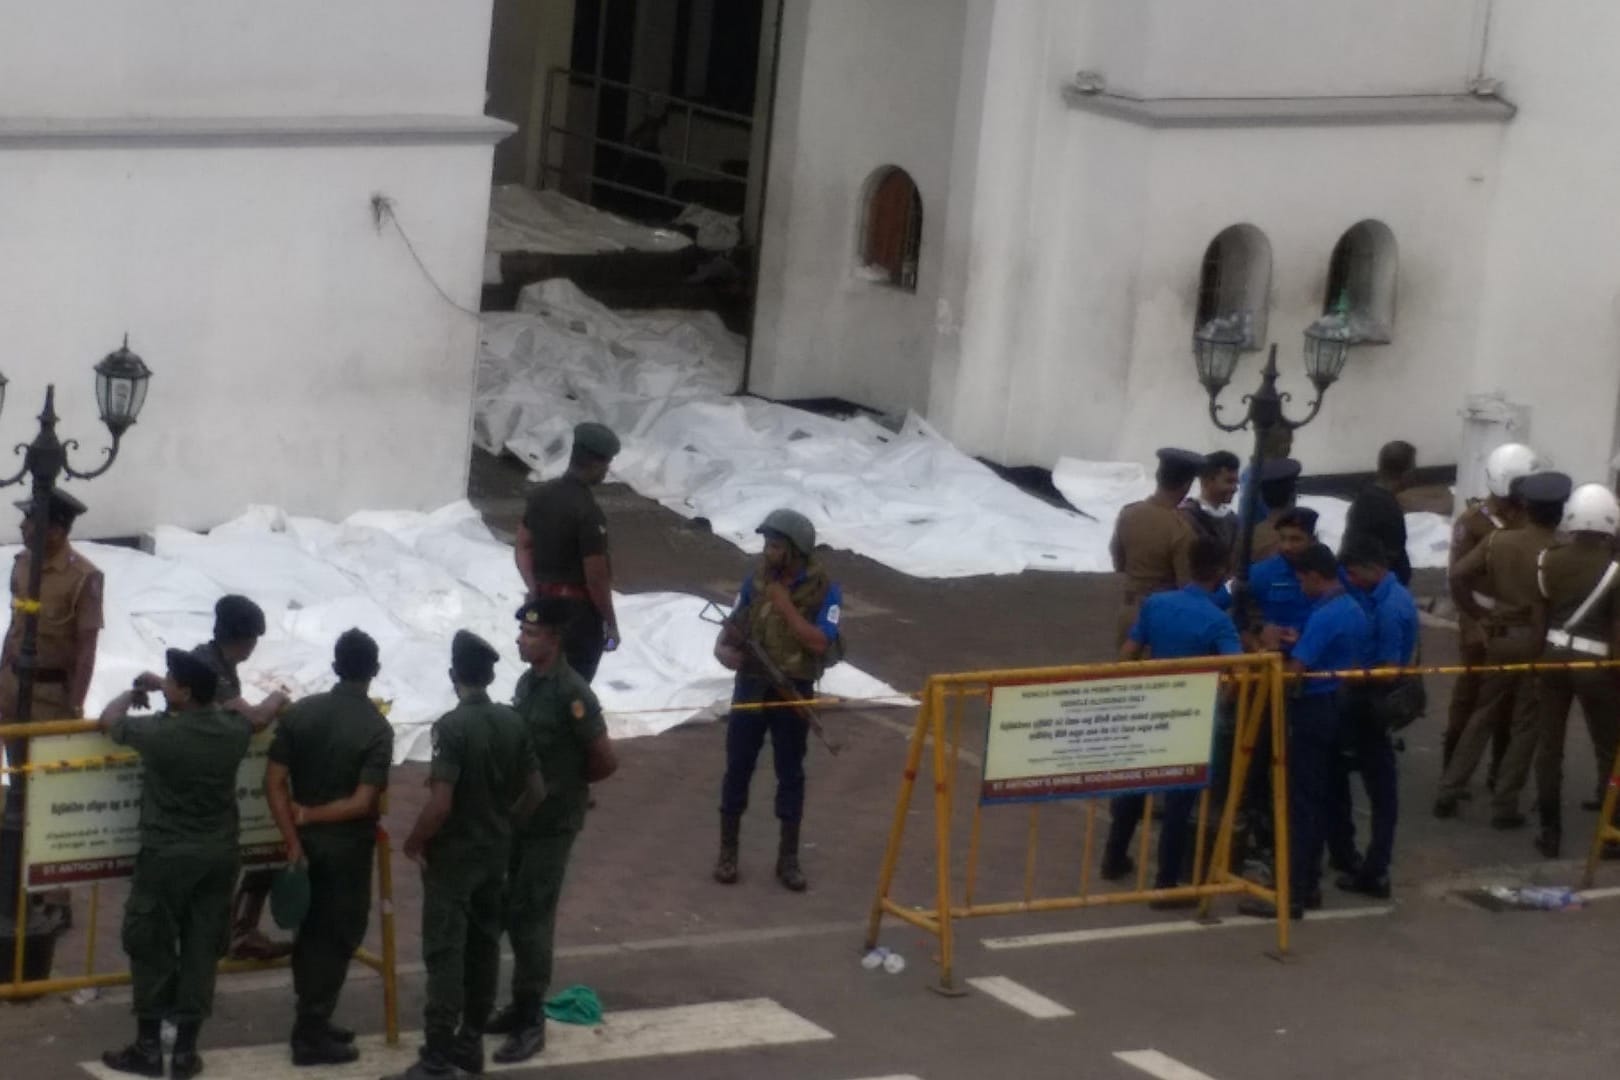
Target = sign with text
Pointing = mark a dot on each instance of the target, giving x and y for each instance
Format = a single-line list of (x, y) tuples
[(1114, 736), (83, 822)]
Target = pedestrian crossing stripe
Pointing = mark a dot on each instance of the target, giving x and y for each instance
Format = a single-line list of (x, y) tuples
[(634, 1033)]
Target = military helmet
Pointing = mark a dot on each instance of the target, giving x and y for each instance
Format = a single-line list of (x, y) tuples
[(791, 526), (1507, 463)]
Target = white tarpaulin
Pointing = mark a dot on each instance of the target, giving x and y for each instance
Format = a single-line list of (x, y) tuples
[(410, 580), (1101, 489), (522, 219), (664, 380)]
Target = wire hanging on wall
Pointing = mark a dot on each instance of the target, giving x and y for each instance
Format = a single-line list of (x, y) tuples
[(383, 214)]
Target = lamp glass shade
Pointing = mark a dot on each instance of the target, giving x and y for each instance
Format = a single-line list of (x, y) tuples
[(1216, 348), (1327, 345), (121, 379)]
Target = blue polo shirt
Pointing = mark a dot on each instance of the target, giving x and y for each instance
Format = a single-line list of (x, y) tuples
[(1186, 622), (1338, 635), (1275, 588), (826, 620), (1394, 623)]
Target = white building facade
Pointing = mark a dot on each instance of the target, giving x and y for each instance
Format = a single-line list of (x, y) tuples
[(1065, 245), (201, 174)]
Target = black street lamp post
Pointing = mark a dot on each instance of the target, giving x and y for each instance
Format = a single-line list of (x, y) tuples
[(121, 379), (1216, 348)]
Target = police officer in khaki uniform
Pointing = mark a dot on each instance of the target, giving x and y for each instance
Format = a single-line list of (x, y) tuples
[(1279, 483), (483, 780), (1506, 563), (569, 735), (70, 620), (562, 549), (178, 909), (70, 617), (327, 773), (1152, 539), (1578, 615), (1505, 465)]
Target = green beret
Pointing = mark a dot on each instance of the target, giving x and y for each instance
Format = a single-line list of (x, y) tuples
[(192, 674), (596, 439), (472, 659)]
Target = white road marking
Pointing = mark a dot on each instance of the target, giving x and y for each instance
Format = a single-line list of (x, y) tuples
[(1160, 1065), (638, 1033), (1019, 997), (1186, 926)]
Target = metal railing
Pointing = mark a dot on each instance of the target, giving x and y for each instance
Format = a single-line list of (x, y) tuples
[(544, 170)]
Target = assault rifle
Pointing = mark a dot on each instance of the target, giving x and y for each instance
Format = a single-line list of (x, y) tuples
[(716, 615)]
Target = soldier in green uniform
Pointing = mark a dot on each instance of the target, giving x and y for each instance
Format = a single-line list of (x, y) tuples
[(178, 912), (483, 780), (238, 626), (788, 612), (568, 734), (327, 773), (1578, 616), (562, 549)]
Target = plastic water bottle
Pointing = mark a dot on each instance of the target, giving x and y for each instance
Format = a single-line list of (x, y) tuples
[(893, 963), (874, 958), (1548, 897)]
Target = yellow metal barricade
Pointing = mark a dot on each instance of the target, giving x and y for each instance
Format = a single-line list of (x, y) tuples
[(1606, 833), (1255, 683), (17, 986)]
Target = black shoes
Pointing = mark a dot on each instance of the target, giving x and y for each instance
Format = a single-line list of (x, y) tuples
[(1377, 888), (322, 1046), (137, 1059), (725, 867), (1117, 869), (527, 1040), (466, 1052), (787, 859), (185, 1064)]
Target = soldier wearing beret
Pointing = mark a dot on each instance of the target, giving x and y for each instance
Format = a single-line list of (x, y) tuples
[(569, 736), (483, 781), (562, 549), (1152, 538), (238, 626), (69, 624), (178, 910), (1506, 567), (325, 780)]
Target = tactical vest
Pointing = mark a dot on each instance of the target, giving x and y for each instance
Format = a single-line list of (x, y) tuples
[(770, 630)]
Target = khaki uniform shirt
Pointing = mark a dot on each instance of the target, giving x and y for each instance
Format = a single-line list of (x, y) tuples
[(1504, 567), (1151, 546), (69, 607), (1569, 573), (1266, 542), (1473, 528)]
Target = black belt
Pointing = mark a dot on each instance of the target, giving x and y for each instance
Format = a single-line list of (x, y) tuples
[(47, 674)]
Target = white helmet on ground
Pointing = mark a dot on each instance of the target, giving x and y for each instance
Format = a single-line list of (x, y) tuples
[(1508, 463), (1592, 508)]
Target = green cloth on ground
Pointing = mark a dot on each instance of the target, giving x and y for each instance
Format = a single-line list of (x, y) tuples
[(575, 1005)]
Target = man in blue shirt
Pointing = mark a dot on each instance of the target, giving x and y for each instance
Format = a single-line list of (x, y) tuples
[(1371, 750), (1337, 636), (1274, 582), (1172, 626), (786, 614)]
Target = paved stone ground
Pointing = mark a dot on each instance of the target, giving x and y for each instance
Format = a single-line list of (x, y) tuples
[(1434, 987)]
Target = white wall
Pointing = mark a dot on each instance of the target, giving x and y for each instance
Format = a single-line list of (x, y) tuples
[(1549, 331), (240, 58), (300, 357), (861, 86)]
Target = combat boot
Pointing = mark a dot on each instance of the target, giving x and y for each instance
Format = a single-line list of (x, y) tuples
[(431, 1064), (1549, 841), (787, 859), (313, 1043), (185, 1062), (505, 1021), (466, 1052), (527, 1038), (143, 1057), (725, 867)]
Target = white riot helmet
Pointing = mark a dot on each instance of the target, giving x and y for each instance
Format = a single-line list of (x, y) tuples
[(1592, 508), (1507, 463)]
